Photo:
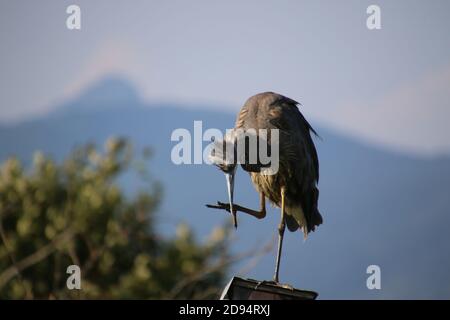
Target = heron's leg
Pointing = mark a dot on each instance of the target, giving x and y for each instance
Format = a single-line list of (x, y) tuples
[(257, 214), (281, 228)]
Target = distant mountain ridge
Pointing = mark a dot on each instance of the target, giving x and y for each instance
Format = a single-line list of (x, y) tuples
[(382, 208)]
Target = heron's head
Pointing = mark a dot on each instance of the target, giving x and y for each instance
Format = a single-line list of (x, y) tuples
[(223, 156)]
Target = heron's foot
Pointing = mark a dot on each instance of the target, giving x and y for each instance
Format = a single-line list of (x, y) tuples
[(237, 208), (271, 282), (286, 286), (220, 205), (274, 283)]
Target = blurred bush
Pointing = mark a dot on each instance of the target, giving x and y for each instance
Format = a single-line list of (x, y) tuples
[(56, 215)]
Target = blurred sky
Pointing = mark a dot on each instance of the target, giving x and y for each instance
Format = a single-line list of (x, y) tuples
[(390, 86)]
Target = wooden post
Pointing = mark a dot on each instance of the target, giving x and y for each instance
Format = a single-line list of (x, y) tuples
[(249, 289)]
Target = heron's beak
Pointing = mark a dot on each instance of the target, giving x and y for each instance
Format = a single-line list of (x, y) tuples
[(230, 186)]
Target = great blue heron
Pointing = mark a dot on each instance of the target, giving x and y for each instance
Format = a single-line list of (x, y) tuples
[(294, 187)]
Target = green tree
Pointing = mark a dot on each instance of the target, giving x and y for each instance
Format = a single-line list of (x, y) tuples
[(55, 215)]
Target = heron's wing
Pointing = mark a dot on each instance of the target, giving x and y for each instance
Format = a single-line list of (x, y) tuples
[(297, 147), (295, 136)]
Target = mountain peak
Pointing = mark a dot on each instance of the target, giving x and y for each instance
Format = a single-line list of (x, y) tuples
[(109, 92)]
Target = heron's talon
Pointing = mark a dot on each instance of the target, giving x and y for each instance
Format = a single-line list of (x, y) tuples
[(220, 205), (265, 282), (225, 206), (287, 286)]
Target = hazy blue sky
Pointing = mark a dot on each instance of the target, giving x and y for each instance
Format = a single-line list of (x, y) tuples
[(388, 86)]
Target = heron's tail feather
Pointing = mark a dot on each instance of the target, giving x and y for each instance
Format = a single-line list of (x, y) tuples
[(306, 220), (295, 218), (314, 218), (291, 223)]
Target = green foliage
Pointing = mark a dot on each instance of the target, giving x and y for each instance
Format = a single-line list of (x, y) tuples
[(56, 215)]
